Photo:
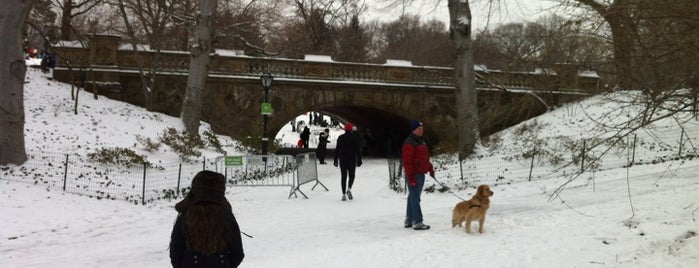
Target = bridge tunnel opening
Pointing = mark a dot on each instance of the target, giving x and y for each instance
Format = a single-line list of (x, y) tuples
[(382, 132)]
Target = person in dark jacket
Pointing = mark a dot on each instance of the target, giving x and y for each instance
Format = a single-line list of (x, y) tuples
[(416, 161), (348, 152), (305, 136), (206, 233), (322, 145)]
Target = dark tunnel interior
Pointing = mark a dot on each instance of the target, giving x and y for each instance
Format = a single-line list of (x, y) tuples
[(387, 130)]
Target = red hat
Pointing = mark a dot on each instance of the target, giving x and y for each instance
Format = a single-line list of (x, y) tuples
[(348, 127)]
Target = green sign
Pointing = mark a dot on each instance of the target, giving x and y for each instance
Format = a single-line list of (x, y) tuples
[(267, 108), (234, 160)]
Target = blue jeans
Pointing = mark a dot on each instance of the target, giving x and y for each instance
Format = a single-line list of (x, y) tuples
[(413, 212)]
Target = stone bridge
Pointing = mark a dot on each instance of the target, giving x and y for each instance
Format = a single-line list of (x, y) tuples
[(380, 97)]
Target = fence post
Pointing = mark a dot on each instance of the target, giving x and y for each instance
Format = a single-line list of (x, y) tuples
[(531, 167), (143, 195), (582, 162), (633, 154), (681, 142), (179, 176), (65, 173)]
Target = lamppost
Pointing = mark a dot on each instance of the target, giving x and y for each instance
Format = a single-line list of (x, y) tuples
[(266, 110)]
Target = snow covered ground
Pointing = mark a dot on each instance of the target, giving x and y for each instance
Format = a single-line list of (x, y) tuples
[(642, 216)]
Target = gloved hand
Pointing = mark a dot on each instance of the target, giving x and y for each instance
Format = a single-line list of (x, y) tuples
[(432, 173), (335, 163), (359, 164), (412, 181)]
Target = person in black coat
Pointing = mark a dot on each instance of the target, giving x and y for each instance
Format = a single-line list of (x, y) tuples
[(206, 233), (305, 136), (322, 145), (348, 152)]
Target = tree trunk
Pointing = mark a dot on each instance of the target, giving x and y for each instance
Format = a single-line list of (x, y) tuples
[(66, 17), (198, 66), (623, 42), (618, 15), (466, 101), (13, 16)]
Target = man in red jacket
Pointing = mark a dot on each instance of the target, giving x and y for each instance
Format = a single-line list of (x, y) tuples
[(416, 160)]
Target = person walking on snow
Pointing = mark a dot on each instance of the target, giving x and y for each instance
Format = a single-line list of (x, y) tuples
[(347, 151), (416, 161), (305, 136), (322, 144)]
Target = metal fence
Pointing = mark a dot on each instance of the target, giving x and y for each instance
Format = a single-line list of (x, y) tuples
[(165, 180), (79, 175), (307, 172), (270, 171)]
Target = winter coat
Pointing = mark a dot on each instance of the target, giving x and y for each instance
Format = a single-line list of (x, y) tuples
[(305, 135), (347, 149), (322, 140), (416, 157), (183, 257)]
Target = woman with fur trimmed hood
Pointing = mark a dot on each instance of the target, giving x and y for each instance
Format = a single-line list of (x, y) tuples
[(206, 234)]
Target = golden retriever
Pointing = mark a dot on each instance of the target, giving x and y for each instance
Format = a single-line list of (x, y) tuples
[(475, 208)]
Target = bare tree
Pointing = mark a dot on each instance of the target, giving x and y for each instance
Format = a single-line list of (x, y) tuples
[(42, 20), (668, 37), (520, 43), (422, 43), (353, 42), (146, 81), (13, 16), (240, 26), (619, 14), (198, 66), (315, 27), (71, 9), (574, 41), (151, 19), (466, 101)]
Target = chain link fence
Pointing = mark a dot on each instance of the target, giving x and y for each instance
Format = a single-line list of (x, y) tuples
[(537, 164), (78, 174)]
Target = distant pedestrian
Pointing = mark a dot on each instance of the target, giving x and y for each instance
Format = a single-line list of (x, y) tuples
[(293, 125), (48, 61), (305, 136), (322, 144), (347, 151), (206, 233), (416, 161)]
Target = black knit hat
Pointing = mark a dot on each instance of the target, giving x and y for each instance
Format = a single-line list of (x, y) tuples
[(207, 186)]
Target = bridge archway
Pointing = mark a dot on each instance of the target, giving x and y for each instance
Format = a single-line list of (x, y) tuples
[(386, 117)]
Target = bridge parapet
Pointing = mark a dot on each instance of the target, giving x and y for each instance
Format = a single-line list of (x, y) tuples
[(105, 51)]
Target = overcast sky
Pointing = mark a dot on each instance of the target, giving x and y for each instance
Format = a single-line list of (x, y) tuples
[(511, 11)]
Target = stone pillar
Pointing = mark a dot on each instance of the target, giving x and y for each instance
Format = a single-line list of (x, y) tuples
[(103, 49)]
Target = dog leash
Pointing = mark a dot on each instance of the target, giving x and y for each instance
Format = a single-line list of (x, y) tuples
[(450, 191)]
